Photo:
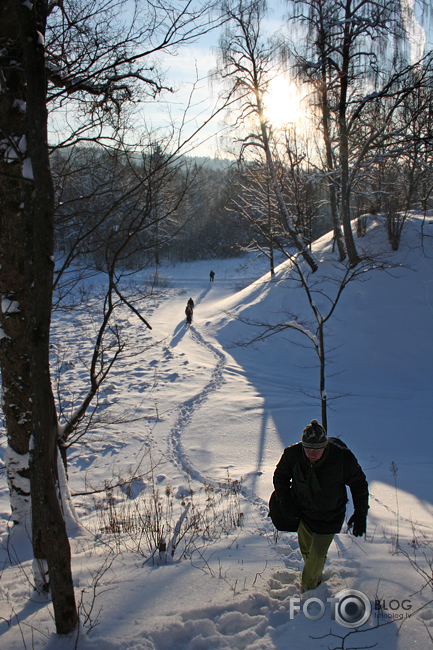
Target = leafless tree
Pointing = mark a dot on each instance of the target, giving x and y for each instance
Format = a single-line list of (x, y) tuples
[(409, 182), (302, 195), (246, 66), (69, 52), (142, 196), (350, 62), (255, 202), (314, 330)]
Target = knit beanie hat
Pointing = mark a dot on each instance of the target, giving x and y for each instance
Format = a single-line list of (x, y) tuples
[(314, 436)]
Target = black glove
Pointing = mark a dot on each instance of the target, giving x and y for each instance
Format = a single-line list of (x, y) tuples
[(359, 522)]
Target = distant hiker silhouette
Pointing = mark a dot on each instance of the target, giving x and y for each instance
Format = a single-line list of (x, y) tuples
[(190, 303), (188, 312), (211, 276)]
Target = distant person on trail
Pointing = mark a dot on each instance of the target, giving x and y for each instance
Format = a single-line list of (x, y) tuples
[(310, 496), (191, 303), (188, 312), (211, 276)]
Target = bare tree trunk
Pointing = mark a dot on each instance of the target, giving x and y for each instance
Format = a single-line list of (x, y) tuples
[(344, 146), (331, 184), (345, 197), (26, 249), (321, 352), (324, 105), (271, 248), (49, 531), (271, 228), (294, 235), (16, 276)]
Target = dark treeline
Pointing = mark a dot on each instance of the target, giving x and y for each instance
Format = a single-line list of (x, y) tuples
[(178, 211)]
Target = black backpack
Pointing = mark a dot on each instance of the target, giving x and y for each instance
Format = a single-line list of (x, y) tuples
[(338, 443), (281, 522)]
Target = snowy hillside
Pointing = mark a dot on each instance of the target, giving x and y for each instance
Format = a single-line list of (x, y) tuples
[(192, 415)]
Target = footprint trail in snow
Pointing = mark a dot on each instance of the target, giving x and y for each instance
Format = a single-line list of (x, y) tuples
[(190, 406)]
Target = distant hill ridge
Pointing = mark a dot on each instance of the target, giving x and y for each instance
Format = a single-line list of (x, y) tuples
[(212, 163)]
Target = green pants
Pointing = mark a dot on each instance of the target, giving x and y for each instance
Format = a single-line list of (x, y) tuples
[(314, 548)]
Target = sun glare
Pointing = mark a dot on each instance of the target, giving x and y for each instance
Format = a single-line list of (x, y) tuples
[(283, 102)]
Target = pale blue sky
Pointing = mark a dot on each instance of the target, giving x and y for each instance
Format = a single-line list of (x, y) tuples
[(196, 61), (192, 63)]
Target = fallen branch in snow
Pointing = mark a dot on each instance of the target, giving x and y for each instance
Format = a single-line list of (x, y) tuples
[(122, 482), (96, 588), (349, 634), (174, 540), (260, 573), (110, 486)]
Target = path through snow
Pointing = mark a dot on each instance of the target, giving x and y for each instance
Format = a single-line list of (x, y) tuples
[(218, 413)]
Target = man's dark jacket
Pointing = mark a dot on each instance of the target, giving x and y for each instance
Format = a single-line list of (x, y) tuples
[(318, 490)]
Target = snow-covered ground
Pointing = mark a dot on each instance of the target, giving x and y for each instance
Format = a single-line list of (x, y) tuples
[(196, 412)]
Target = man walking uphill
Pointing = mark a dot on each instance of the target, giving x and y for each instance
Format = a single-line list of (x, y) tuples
[(310, 481)]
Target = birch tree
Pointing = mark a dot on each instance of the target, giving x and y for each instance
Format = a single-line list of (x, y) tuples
[(246, 66), (353, 55)]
